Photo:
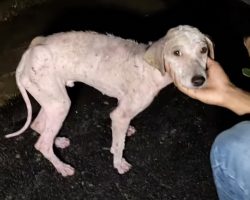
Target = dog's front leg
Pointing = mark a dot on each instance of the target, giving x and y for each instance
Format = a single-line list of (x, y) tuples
[(121, 117), (120, 122)]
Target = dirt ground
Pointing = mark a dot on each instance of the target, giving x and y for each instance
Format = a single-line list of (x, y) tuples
[(169, 152)]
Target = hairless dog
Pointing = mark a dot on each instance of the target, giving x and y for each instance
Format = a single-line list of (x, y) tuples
[(132, 72)]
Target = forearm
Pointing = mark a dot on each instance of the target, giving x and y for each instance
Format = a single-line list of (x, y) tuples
[(237, 100)]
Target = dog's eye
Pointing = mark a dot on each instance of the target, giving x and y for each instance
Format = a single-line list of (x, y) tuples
[(204, 50), (177, 53)]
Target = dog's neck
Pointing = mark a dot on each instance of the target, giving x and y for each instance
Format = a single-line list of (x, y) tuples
[(160, 80)]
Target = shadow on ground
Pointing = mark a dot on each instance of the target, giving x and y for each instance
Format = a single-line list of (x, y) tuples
[(170, 151)]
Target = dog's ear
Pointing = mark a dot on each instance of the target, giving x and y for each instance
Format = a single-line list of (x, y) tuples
[(39, 40), (210, 47), (154, 55)]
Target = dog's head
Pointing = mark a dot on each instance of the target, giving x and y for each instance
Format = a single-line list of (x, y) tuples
[(184, 50)]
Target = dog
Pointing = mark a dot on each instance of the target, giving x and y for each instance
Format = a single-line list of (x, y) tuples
[(132, 72)]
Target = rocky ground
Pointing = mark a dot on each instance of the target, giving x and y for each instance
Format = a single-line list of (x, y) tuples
[(169, 152)]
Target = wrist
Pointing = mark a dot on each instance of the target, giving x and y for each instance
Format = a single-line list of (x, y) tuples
[(237, 100)]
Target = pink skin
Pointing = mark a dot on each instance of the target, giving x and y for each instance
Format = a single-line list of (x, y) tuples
[(134, 74), (38, 125)]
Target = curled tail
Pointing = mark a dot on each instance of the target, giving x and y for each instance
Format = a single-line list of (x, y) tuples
[(25, 97)]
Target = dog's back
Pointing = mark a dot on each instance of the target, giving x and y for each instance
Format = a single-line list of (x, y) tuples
[(105, 62)]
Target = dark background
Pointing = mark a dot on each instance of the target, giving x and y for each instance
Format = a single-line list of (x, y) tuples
[(170, 151)]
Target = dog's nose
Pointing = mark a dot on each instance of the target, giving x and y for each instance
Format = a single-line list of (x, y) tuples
[(198, 80)]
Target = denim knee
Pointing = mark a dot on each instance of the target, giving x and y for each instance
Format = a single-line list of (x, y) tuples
[(230, 162), (232, 142)]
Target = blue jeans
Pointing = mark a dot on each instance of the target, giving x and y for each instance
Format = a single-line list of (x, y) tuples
[(230, 161)]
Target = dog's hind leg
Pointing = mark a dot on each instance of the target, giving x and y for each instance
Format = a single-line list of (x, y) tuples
[(38, 125), (55, 105), (56, 113)]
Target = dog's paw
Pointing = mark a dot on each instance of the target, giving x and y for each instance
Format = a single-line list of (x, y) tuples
[(65, 169), (131, 131), (62, 142), (122, 166)]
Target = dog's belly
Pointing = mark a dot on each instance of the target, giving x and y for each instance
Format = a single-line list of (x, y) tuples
[(113, 86), (111, 82)]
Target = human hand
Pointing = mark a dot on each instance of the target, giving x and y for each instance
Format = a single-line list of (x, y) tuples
[(216, 89)]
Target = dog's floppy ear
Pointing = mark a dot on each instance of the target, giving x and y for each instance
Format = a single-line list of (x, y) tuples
[(210, 47), (154, 55)]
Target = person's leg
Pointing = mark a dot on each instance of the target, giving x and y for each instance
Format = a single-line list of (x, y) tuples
[(230, 161)]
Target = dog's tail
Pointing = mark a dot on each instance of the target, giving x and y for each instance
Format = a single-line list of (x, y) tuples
[(25, 97)]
